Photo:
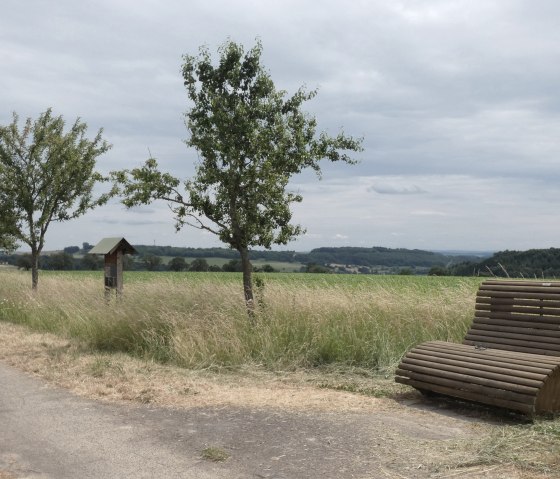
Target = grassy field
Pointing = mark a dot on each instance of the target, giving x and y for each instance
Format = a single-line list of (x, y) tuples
[(198, 320), (355, 327), (281, 266)]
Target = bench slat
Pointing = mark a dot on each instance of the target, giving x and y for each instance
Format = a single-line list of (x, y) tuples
[(469, 386), (536, 309), (472, 355), (498, 322), (473, 364), (524, 335), (526, 343), (471, 395), (467, 378), (509, 347), (552, 320), (514, 302), (515, 294), (499, 355), (509, 381), (520, 289)]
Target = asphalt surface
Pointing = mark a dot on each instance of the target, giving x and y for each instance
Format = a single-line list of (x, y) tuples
[(49, 433)]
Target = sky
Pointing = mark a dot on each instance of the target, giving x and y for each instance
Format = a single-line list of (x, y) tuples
[(458, 103)]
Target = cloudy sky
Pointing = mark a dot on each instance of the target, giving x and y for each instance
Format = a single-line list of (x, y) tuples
[(457, 100)]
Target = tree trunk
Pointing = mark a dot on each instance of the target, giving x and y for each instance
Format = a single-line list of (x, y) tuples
[(247, 279), (34, 268)]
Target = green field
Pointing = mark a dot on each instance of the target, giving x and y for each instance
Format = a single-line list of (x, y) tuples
[(280, 266)]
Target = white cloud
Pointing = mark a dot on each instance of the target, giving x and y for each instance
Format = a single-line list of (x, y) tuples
[(458, 103)]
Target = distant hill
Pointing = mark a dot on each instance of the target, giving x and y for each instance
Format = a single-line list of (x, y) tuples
[(533, 263), (379, 256), (353, 257), (374, 260)]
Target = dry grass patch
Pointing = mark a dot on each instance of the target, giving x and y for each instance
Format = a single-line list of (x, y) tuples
[(119, 377)]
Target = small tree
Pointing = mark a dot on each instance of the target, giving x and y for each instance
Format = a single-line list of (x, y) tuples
[(251, 139), (177, 264), (151, 262), (58, 261), (24, 261), (48, 175), (91, 262), (199, 264)]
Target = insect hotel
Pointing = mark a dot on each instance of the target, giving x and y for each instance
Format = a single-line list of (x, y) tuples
[(114, 250)]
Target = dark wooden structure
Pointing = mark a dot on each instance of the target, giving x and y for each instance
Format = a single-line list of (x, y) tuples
[(510, 356), (114, 250)]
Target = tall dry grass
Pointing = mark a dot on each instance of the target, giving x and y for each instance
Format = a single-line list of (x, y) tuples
[(200, 321)]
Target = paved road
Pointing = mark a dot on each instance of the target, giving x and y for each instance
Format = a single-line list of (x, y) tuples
[(50, 433)]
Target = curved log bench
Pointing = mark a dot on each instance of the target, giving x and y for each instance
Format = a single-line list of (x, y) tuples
[(510, 356)]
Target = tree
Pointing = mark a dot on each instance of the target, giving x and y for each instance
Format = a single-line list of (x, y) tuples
[(151, 262), (7, 242), (177, 264), (199, 264), (7, 218), (49, 176), (72, 249), (58, 261), (24, 261), (91, 262), (232, 266), (251, 139)]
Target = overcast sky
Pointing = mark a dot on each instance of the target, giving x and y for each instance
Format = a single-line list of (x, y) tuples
[(458, 103)]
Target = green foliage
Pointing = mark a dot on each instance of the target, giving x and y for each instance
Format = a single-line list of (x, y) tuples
[(199, 264), (23, 261), (7, 242), (177, 264), (405, 272), (91, 262), (58, 261), (251, 139), (48, 175), (533, 263), (151, 262), (317, 268), (438, 271), (215, 454)]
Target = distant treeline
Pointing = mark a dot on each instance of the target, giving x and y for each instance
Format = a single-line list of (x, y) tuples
[(327, 259), (376, 256), (226, 253), (533, 263)]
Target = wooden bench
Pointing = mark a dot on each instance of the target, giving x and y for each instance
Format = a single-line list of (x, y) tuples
[(510, 356)]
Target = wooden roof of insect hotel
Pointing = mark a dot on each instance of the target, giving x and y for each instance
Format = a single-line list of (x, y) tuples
[(110, 245)]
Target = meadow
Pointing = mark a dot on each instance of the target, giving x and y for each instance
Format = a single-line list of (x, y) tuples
[(330, 332), (199, 320)]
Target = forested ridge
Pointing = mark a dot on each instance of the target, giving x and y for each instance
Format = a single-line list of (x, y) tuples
[(533, 263), (375, 256)]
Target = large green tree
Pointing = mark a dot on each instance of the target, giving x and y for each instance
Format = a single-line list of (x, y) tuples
[(251, 139), (48, 175)]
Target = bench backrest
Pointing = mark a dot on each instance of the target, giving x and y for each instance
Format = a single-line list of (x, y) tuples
[(522, 316)]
